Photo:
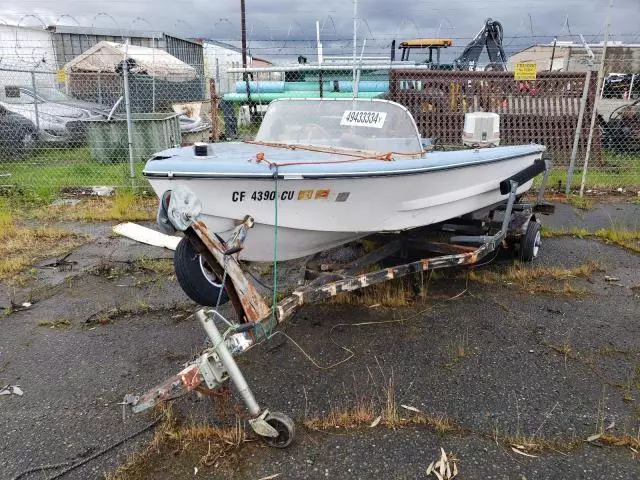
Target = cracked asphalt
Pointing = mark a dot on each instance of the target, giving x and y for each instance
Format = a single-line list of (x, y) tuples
[(534, 366)]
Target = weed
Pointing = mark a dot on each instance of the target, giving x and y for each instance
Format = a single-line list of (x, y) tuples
[(621, 441), (209, 444), (583, 203), (124, 206), (381, 408), (160, 266), (396, 293), (458, 349), (21, 246), (629, 239), (57, 324), (108, 269), (536, 279), (106, 317)]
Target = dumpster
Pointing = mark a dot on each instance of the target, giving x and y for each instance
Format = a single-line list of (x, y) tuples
[(152, 132)]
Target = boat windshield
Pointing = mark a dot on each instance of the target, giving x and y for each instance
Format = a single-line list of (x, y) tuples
[(377, 126)]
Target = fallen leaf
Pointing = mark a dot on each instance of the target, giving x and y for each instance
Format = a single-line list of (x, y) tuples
[(11, 390), (520, 452), (410, 408), (593, 438), (430, 468), (376, 421), (374, 305)]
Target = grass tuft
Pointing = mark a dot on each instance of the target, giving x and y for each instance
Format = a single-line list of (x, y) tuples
[(582, 203), (629, 239), (537, 279), (160, 266), (21, 246), (396, 293), (123, 206), (200, 445), (56, 324)]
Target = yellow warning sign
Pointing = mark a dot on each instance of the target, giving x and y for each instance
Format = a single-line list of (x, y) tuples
[(61, 76), (525, 71)]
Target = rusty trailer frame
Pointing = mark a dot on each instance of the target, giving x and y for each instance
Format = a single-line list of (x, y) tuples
[(216, 364)]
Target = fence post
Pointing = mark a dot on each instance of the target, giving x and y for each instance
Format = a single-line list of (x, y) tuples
[(127, 105), (100, 98), (215, 127), (597, 99), (35, 101), (576, 137)]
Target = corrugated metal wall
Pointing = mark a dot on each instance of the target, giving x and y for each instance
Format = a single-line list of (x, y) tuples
[(69, 44)]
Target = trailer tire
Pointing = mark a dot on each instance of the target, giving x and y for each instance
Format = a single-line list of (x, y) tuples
[(530, 243), (195, 278)]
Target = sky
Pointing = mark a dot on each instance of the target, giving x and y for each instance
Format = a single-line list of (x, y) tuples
[(279, 27)]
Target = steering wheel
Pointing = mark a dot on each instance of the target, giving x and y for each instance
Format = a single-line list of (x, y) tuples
[(310, 131)]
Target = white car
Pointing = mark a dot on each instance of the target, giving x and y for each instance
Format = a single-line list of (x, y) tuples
[(55, 123)]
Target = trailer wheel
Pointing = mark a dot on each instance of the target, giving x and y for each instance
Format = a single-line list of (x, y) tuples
[(285, 427), (530, 243), (195, 277)]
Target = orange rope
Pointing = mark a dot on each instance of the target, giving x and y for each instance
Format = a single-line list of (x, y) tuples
[(260, 157), (327, 149), (303, 147)]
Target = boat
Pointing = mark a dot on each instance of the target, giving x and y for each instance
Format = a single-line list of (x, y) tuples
[(323, 172)]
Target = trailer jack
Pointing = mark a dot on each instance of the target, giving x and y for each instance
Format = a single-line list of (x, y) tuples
[(211, 370)]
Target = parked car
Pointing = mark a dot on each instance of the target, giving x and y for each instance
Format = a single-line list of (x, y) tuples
[(622, 131), (621, 85), (55, 123), (55, 95), (17, 133)]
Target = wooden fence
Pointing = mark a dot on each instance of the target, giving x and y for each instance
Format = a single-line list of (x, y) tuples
[(543, 111)]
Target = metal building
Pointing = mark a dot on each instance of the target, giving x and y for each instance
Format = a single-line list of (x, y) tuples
[(71, 41)]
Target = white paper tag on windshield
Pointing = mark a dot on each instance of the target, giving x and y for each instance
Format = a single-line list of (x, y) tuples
[(363, 118)]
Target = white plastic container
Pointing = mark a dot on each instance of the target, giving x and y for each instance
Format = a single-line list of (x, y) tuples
[(481, 129)]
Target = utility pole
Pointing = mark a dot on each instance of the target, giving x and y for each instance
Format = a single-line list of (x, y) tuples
[(243, 29)]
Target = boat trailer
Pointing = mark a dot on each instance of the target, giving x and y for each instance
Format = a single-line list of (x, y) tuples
[(179, 209)]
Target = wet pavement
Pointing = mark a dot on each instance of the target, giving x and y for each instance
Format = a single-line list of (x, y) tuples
[(552, 367)]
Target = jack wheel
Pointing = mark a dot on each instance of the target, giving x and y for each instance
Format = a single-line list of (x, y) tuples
[(530, 243), (285, 427)]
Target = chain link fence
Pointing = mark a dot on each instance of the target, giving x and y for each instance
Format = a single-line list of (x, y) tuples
[(67, 128), (69, 131), (618, 126)]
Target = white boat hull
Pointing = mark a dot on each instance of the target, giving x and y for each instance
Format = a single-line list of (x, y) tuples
[(314, 214)]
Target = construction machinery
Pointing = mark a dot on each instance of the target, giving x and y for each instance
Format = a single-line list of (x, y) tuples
[(490, 37)]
